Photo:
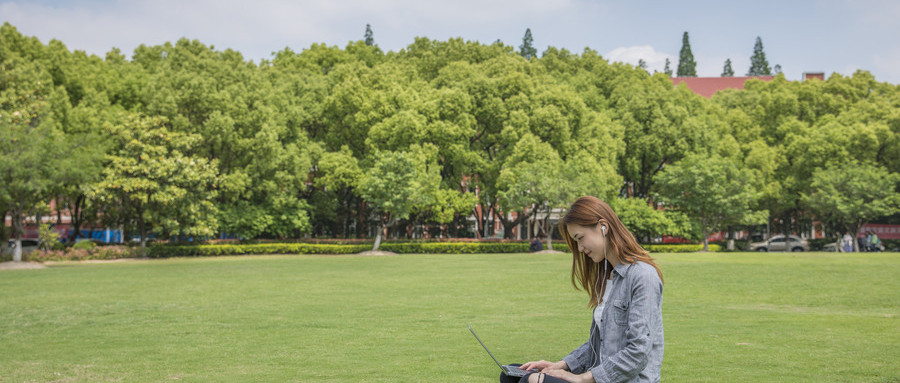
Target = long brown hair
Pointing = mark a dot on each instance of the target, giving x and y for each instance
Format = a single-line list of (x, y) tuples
[(590, 211)]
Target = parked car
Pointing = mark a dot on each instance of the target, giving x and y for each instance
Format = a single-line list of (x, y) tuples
[(777, 243), (28, 245)]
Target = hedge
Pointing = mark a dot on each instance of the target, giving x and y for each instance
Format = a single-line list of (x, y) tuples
[(206, 250), (680, 248), (164, 251)]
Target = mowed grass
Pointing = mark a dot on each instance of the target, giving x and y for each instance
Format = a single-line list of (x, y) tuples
[(743, 317)]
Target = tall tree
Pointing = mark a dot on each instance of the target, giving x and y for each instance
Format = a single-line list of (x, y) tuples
[(37, 158), (642, 64), (727, 71), (759, 66), (527, 49), (370, 39), (687, 67), (668, 68), (777, 69)]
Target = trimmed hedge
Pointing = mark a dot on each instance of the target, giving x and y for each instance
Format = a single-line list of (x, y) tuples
[(165, 251), (211, 250), (680, 248)]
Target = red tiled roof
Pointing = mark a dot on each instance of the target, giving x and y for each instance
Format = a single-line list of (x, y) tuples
[(707, 86)]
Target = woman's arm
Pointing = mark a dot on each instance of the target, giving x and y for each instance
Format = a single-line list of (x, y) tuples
[(580, 358)]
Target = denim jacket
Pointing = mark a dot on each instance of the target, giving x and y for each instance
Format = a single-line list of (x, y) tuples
[(630, 344)]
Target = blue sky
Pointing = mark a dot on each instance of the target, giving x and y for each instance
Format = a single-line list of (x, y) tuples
[(802, 36)]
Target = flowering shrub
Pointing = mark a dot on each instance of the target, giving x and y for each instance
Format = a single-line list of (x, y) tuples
[(73, 254)]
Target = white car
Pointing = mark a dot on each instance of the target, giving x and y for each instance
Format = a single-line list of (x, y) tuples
[(777, 243)]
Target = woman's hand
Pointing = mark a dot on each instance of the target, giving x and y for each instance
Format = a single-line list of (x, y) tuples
[(543, 364), (587, 377)]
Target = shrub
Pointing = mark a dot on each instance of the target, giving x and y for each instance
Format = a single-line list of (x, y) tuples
[(75, 254), (891, 244), (84, 245), (739, 245), (680, 248)]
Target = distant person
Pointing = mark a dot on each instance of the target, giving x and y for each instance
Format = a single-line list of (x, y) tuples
[(536, 245), (864, 243), (847, 243), (625, 289), (874, 241)]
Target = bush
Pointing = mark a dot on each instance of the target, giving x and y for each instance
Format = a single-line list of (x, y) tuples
[(680, 248), (739, 245), (819, 243), (891, 244), (76, 254), (463, 247), (84, 245)]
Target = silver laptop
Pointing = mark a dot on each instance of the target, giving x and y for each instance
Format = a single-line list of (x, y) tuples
[(507, 369)]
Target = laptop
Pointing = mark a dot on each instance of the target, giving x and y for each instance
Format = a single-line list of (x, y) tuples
[(507, 369)]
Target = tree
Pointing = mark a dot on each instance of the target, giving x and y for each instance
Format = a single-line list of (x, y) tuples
[(36, 157), (642, 64), (686, 65), (712, 190), (527, 50), (369, 37), (777, 69), (668, 68), (400, 184), (646, 222), (727, 71), (759, 66), (851, 195), (154, 180)]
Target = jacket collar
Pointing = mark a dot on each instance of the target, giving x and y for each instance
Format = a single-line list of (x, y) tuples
[(622, 268)]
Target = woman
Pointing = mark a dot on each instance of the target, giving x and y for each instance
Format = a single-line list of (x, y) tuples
[(625, 289)]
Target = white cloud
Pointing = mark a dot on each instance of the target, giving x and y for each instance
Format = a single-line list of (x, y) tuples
[(656, 61)]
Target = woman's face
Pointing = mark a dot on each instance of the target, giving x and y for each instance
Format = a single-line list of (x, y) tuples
[(590, 240)]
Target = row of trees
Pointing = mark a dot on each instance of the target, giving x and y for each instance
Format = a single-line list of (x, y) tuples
[(183, 140), (687, 67)]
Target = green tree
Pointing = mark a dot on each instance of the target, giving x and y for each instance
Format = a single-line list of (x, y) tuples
[(852, 195), (646, 221), (687, 67), (369, 36), (400, 184), (759, 66), (713, 190), (156, 182), (668, 68), (642, 64), (727, 71), (527, 49), (36, 156)]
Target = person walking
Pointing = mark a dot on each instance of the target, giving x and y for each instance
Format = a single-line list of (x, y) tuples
[(624, 288), (847, 243)]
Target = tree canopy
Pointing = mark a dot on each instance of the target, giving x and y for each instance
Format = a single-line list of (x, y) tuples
[(183, 140)]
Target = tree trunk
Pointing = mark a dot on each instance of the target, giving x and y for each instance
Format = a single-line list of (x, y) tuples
[(731, 236), (705, 238), (549, 229), (378, 235), (143, 229), (17, 231)]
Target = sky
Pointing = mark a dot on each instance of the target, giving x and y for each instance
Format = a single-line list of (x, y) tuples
[(830, 36)]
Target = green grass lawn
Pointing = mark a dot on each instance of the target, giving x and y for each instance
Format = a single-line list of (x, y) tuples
[(742, 317)]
